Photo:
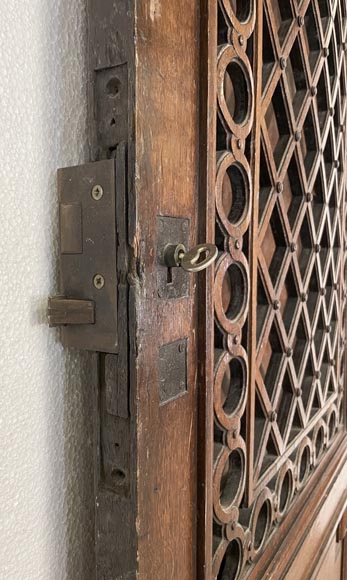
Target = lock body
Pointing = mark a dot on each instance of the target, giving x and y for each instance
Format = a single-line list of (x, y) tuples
[(87, 307)]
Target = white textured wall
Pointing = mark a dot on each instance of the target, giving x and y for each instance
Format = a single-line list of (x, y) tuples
[(46, 527)]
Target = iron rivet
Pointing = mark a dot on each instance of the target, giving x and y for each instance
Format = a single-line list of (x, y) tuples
[(303, 297), (283, 63), (326, 52), (322, 291), (317, 248), (276, 305), (301, 21), (289, 352), (236, 339), (241, 40), (313, 91), (98, 281), (297, 136), (279, 187), (293, 247), (237, 244), (298, 393), (97, 192), (309, 197), (239, 144)]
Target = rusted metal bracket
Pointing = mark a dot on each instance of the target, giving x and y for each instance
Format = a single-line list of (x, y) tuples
[(87, 308)]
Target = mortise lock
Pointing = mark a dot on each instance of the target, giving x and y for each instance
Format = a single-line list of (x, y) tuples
[(86, 310)]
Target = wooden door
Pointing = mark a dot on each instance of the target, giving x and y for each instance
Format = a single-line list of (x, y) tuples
[(220, 445)]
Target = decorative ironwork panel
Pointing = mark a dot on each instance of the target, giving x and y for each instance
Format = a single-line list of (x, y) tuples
[(281, 231)]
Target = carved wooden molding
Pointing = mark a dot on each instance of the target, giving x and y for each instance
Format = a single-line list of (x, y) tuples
[(280, 279)]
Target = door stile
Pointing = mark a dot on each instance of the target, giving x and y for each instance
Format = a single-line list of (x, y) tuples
[(255, 172), (205, 345)]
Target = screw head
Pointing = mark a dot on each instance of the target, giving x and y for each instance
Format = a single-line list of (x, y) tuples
[(331, 111), (98, 281), (317, 248), (236, 339), (328, 328), (298, 392), (97, 192), (336, 164), (279, 187), (237, 244), (303, 297), (317, 375), (241, 40), (309, 197), (276, 305), (293, 247), (283, 63), (297, 136), (313, 91), (239, 144), (301, 21), (289, 352), (322, 291)]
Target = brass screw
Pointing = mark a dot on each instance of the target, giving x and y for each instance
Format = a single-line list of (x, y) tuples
[(98, 281), (97, 192), (276, 305)]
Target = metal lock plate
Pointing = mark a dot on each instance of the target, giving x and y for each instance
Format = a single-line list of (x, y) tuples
[(88, 258), (171, 282)]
